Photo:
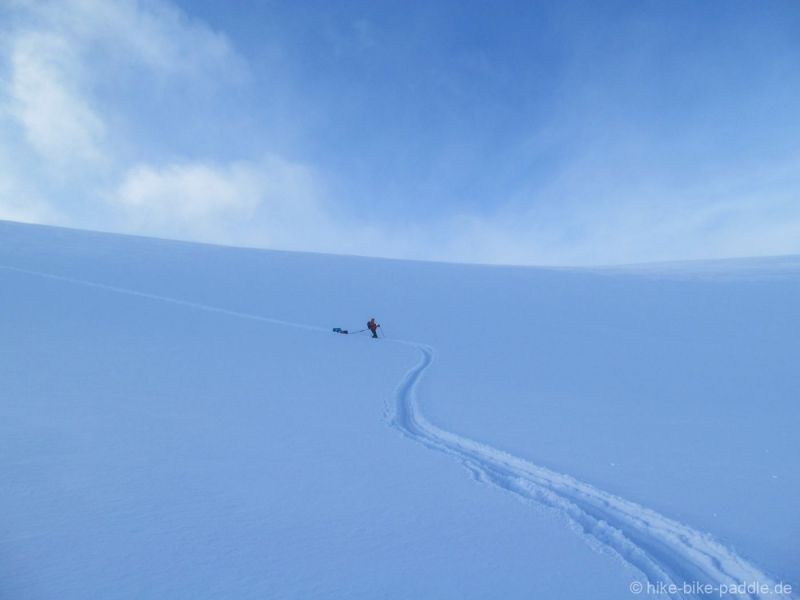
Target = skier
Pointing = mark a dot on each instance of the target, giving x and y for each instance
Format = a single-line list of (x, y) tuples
[(373, 327)]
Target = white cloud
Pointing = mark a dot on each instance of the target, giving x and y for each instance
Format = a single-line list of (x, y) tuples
[(14, 207), (57, 53), (60, 51), (17, 201), (59, 138), (271, 201), (181, 195), (45, 99), (152, 33), (755, 213)]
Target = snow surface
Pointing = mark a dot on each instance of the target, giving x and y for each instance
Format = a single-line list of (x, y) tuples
[(178, 421)]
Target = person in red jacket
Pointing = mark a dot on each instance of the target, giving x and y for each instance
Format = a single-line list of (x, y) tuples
[(373, 327)]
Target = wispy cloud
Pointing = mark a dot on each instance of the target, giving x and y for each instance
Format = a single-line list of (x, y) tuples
[(56, 55), (68, 156), (19, 200), (63, 50), (46, 99), (270, 201), (153, 33)]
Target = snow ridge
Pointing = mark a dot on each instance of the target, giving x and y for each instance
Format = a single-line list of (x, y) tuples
[(664, 551)]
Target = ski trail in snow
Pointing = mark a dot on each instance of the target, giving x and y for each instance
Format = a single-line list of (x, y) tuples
[(665, 551), (178, 301)]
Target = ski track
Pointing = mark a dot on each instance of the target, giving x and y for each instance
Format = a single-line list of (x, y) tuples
[(663, 550)]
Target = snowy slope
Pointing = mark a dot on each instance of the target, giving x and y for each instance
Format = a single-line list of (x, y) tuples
[(178, 421)]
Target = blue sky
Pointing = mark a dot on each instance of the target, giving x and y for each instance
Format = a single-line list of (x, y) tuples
[(507, 132)]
